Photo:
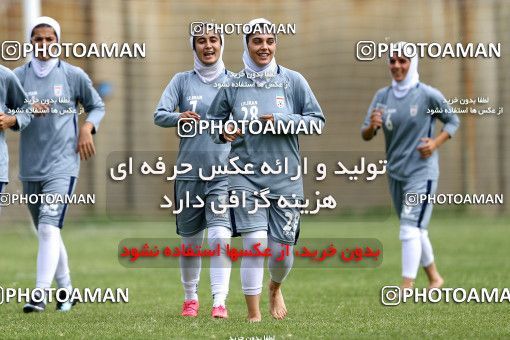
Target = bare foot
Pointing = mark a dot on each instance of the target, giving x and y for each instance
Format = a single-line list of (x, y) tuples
[(407, 283), (254, 318), (436, 282), (276, 303), (252, 302)]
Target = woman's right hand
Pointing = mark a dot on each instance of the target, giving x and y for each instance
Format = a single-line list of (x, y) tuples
[(190, 115), (230, 137)]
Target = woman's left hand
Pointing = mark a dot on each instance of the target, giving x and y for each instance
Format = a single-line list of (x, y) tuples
[(86, 147), (427, 147)]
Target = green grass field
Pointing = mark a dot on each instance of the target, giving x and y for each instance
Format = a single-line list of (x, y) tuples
[(323, 303)]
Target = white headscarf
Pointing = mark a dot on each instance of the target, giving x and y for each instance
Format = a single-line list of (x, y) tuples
[(43, 68), (250, 67), (207, 73), (401, 88)]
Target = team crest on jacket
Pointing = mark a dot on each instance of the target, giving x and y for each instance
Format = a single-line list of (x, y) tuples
[(280, 101), (57, 90), (413, 110)]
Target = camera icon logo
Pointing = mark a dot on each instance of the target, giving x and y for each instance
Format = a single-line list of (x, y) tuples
[(5, 199), (365, 50), (411, 199), (390, 295), (197, 28), (186, 128), (11, 50)]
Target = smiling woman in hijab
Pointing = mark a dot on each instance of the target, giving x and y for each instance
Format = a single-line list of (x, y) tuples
[(51, 147), (401, 110), (192, 92), (294, 102)]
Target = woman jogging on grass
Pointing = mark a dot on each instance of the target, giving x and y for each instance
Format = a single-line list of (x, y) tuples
[(192, 92), (402, 110)]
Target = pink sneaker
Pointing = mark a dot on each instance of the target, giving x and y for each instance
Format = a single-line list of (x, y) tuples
[(190, 308), (219, 312)]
